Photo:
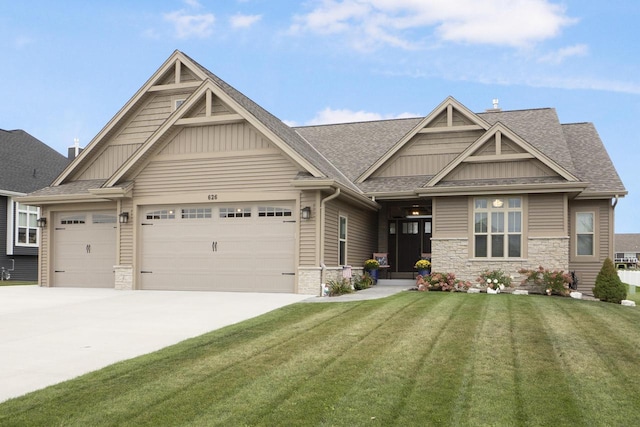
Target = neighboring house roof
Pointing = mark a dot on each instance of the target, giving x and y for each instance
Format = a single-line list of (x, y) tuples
[(27, 164), (626, 242)]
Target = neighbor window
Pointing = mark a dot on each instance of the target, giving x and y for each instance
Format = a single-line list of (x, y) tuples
[(342, 241), (26, 226), (498, 227), (585, 233)]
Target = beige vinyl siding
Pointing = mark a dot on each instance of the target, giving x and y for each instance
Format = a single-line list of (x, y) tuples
[(361, 233), (309, 230), (500, 170), (450, 217), (547, 215), (506, 147), (216, 139), (428, 154), (217, 108), (587, 269), (230, 157), (331, 234), (109, 161), (457, 120), (126, 234)]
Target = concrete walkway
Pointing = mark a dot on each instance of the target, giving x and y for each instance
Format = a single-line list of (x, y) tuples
[(383, 289), (49, 335)]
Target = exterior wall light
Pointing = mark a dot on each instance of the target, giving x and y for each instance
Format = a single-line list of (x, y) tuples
[(305, 213), (41, 222), (123, 217)]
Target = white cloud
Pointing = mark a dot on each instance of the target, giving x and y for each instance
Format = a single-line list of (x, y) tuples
[(187, 26), (407, 23), (331, 116), (560, 55), (244, 21), (194, 4)]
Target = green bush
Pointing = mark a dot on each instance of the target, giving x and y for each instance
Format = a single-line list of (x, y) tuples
[(339, 287), (362, 282), (609, 287)]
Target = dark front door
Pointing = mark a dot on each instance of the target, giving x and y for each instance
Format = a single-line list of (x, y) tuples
[(408, 240)]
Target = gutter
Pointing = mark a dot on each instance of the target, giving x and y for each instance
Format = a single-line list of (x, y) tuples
[(322, 237)]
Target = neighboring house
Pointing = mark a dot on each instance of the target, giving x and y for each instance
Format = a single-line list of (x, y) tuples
[(194, 186), (627, 250), (26, 165)]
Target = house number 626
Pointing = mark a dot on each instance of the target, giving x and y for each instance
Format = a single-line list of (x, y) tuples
[(213, 197)]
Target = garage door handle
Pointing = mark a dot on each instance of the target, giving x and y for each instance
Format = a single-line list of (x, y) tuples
[(214, 246), (146, 271), (88, 249)]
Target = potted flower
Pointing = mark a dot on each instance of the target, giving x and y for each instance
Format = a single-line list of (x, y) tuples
[(372, 266), (422, 266)]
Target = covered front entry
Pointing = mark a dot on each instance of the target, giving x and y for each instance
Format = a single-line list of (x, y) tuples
[(84, 249), (222, 247), (409, 236)]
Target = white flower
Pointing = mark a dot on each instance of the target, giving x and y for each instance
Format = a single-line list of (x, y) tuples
[(488, 280), (495, 281), (501, 286)]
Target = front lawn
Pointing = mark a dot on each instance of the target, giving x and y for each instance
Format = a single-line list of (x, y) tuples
[(16, 283), (411, 359)]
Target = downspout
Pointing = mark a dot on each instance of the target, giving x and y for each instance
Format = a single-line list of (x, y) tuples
[(322, 240), (615, 202)]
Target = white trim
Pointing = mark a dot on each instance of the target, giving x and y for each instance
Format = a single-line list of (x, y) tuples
[(17, 226), (10, 225)]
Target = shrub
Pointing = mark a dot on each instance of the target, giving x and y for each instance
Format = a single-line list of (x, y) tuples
[(494, 278), (362, 282), (609, 287), (442, 282), (552, 282), (339, 287)]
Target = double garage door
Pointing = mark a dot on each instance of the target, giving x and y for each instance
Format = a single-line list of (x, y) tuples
[(239, 247)]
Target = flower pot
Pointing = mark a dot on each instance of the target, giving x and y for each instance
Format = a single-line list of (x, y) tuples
[(423, 272), (374, 275)]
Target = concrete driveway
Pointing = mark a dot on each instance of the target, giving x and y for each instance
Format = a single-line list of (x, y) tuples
[(49, 335)]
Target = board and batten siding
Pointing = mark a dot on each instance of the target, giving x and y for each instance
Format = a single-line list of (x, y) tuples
[(547, 215), (224, 158), (500, 170), (128, 138), (588, 268), (450, 217), (428, 154)]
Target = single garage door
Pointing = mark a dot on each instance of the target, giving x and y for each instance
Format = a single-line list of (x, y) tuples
[(239, 247), (84, 249)]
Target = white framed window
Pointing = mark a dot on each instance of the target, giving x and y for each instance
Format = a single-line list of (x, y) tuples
[(26, 227), (161, 214), (342, 240), (497, 227), (235, 212), (585, 234), (264, 211)]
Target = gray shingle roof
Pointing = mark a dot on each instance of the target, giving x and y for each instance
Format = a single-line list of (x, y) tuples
[(27, 164), (353, 147), (71, 188), (629, 242), (592, 161)]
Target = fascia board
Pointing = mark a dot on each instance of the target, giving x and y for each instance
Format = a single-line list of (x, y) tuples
[(566, 187)]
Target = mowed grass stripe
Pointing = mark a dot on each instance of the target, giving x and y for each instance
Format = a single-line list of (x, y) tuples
[(541, 380), (379, 376), (324, 360), (591, 368)]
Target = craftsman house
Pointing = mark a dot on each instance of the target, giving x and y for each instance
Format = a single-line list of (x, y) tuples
[(194, 186), (27, 165)]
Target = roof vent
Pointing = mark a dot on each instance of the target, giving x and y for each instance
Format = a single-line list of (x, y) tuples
[(496, 107), (74, 150)]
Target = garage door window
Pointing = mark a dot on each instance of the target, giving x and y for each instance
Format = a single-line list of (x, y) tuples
[(104, 219), (235, 212), (161, 214), (273, 211), (196, 213), (72, 219)]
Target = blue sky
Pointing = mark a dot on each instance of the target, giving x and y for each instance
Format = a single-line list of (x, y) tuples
[(69, 66)]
